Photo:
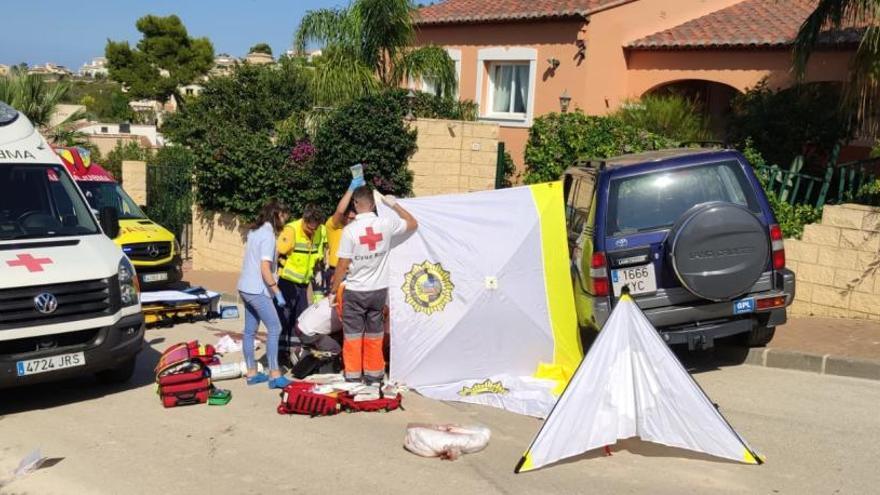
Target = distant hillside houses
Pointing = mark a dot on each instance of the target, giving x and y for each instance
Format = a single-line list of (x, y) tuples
[(97, 68)]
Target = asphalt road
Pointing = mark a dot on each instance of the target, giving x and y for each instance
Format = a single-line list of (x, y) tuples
[(819, 434)]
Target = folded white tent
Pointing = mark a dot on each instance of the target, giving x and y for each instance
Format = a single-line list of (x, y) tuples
[(630, 384)]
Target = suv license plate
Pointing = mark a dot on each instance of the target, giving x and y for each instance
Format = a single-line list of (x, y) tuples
[(641, 279), (53, 363), (744, 306), (155, 277)]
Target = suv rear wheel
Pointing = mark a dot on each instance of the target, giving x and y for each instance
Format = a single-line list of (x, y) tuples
[(759, 336)]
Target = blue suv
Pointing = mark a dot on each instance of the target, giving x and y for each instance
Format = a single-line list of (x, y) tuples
[(689, 233)]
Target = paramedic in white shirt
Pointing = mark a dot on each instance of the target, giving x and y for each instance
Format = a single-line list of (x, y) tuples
[(363, 264)]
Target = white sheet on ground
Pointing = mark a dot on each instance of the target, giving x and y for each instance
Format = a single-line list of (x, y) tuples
[(519, 394)]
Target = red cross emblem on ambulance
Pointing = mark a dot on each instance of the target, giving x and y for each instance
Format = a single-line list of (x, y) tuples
[(32, 264), (371, 239)]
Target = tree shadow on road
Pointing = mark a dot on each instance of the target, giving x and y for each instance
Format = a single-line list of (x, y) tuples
[(56, 394)]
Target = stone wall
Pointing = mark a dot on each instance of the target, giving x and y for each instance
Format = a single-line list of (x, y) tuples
[(837, 263), (217, 241), (454, 157), (134, 180)]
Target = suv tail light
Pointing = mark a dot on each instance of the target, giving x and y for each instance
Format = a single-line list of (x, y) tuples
[(599, 274), (770, 303), (777, 246)]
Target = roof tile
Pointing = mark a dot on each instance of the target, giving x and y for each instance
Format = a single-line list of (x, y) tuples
[(471, 11), (752, 23)]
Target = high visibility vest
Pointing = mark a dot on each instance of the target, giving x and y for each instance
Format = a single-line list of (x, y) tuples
[(299, 267)]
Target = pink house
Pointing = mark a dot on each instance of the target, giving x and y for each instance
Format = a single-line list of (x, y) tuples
[(518, 59)]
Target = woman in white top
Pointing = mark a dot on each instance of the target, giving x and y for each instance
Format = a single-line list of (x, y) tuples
[(258, 287)]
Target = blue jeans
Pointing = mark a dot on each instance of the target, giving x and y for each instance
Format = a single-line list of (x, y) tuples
[(257, 308)]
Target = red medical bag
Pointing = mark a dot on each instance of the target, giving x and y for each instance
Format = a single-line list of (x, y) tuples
[(298, 398), (185, 393), (387, 403)]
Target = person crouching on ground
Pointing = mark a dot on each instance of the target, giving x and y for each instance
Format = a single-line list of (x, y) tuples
[(363, 264), (258, 287), (301, 247)]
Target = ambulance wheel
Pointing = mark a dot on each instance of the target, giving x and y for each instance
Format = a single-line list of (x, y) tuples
[(120, 374), (759, 336)]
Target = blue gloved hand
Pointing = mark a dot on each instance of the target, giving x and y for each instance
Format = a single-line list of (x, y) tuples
[(356, 183), (279, 300)]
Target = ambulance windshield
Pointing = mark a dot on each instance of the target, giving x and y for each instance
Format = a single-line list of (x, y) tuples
[(39, 201), (109, 194)]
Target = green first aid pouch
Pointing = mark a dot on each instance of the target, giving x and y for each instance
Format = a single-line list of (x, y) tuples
[(219, 397)]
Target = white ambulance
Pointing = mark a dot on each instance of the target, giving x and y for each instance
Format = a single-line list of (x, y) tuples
[(69, 297)]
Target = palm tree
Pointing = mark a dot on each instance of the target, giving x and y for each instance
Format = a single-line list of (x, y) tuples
[(862, 92), (33, 96), (368, 46)]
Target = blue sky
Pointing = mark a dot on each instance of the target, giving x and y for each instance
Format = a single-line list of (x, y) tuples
[(71, 33)]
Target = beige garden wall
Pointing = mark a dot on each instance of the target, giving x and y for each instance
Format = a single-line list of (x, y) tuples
[(837, 264), (217, 241), (134, 180), (452, 157)]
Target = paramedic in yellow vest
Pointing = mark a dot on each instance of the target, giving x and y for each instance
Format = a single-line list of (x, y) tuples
[(300, 248), (341, 217)]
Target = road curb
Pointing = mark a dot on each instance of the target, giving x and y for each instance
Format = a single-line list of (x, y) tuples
[(816, 363)]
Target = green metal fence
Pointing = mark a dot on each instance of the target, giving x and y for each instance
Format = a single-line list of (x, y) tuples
[(841, 183), (169, 198)]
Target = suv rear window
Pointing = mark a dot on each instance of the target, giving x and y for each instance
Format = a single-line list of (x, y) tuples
[(655, 200)]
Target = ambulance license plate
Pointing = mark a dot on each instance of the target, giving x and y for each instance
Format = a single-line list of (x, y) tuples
[(53, 363), (155, 277), (641, 279)]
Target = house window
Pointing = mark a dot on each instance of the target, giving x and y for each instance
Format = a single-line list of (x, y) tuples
[(508, 89), (505, 91), (189, 91), (429, 85)]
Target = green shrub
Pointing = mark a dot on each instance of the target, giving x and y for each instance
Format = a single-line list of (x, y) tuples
[(558, 140), (793, 218), (431, 106), (802, 120), (670, 115), (230, 130), (370, 130)]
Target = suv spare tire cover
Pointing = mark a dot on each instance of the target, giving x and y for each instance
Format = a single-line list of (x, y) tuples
[(719, 250)]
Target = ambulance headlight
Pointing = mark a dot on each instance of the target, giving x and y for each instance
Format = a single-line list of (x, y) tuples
[(128, 283), (8, 114)]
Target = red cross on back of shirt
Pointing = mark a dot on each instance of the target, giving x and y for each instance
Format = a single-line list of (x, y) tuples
[(371, 239), (32, 264)]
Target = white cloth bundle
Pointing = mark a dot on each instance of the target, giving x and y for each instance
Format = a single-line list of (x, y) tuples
[(445, 441), (315, 320)]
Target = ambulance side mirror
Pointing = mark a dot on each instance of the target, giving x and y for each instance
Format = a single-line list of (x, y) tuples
[(109, 219)]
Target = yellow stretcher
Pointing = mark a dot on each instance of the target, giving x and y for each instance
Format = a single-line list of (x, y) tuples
[(167, 308)]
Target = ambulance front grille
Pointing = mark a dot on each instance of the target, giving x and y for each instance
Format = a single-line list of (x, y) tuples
[(147, 251), (76, 301)]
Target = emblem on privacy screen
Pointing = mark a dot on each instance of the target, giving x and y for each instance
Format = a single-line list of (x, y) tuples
[(46, 303), (428, 287)]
